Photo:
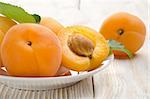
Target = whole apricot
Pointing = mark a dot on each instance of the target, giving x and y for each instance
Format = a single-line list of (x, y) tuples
[(125, 28), (83, 48), (52, 24), (31, 50)]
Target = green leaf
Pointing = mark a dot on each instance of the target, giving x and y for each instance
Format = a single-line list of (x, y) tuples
[(114, 45), (18, 14), (37, 18)]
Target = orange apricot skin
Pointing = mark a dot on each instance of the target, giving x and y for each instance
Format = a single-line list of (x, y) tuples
[(31, 50), (134, 32), (52, 24)]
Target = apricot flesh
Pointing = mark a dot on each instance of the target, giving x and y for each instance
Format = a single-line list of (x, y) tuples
[(74, 61), (52, 24), (125, 28), (31, 50)]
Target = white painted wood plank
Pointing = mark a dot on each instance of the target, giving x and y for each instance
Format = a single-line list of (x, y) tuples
[(123, 79)]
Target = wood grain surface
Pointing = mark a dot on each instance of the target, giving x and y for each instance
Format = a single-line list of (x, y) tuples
[(124, 79)]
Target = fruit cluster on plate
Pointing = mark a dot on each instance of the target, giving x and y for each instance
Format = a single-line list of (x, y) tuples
[(34, 46)]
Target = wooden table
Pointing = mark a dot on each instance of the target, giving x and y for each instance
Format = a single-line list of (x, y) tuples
[(124, 79)]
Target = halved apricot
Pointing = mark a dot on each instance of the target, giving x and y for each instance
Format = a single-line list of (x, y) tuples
[(83, 48)]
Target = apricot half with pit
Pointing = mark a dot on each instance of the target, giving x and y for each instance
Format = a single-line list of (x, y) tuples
[(31, 50), (83, 48)]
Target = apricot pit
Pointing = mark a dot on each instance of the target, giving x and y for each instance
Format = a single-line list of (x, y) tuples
[(80, 45)]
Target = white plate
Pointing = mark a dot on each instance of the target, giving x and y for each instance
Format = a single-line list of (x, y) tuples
[(45, 83)]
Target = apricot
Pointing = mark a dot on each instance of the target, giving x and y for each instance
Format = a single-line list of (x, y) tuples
[(52, 24), (83, 48), (6, 24), (125, 28), (31, 50)]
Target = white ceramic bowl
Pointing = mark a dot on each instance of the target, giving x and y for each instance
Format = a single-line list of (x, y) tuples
[(45, 83)]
